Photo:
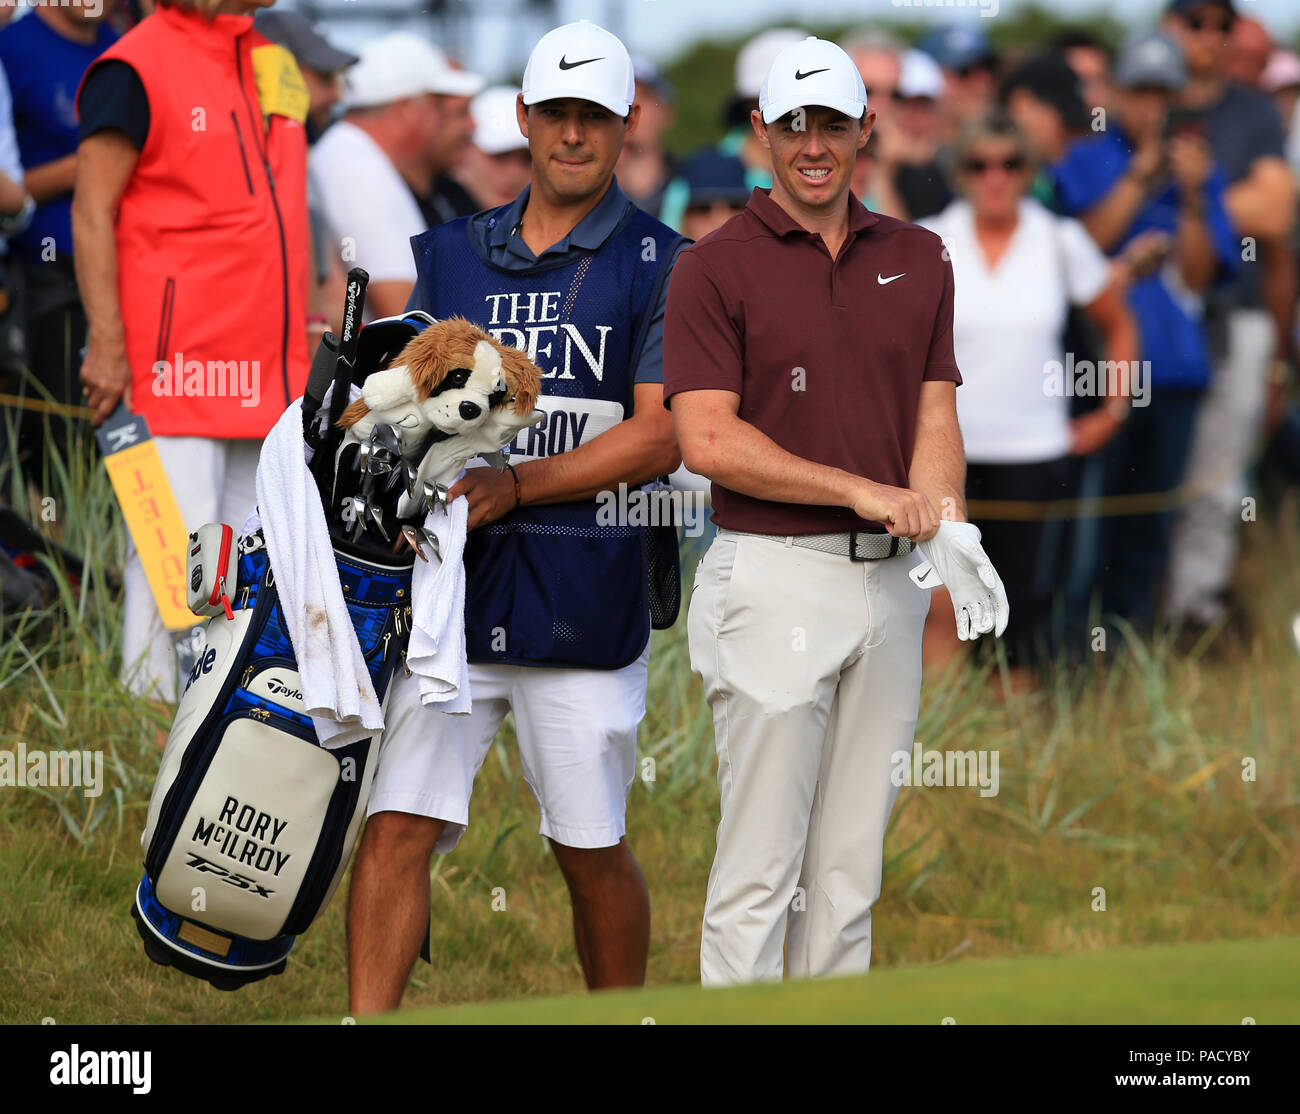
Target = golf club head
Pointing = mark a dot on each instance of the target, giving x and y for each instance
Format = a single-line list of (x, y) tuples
[(387, 438), (377, 517), (414, 538), (435, 497), (357, 504)]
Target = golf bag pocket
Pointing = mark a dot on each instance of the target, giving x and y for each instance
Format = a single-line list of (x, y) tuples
[(252, 823), (211, 569)]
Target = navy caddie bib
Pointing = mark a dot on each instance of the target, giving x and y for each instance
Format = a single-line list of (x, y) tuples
[(554, 585)]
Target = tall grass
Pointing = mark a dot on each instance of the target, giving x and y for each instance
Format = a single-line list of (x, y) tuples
[(1126, 813)]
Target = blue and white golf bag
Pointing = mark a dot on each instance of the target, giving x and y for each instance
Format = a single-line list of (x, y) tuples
[(252, 823)]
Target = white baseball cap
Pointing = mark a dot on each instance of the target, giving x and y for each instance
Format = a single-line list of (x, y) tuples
[(583, 61), (921, 76), (756, 57), (496, 128), (399, 65), (813, 71)]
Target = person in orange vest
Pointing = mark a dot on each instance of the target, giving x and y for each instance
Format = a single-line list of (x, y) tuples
[(191, 243)]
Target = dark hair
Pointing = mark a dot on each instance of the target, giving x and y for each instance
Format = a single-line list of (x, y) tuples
[(616, 116), (735, 113), (1050, 81), (1077, 38)]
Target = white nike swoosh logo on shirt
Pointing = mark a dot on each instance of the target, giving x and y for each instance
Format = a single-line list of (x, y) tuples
[(886, 281)]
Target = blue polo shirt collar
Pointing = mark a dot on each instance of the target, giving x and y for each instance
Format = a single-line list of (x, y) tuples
[(589, 233)]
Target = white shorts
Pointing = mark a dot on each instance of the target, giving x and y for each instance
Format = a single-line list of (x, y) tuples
[(577, 747)]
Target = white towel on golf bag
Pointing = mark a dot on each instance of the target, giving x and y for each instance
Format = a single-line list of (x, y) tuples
[(437, 646), (336, 686)]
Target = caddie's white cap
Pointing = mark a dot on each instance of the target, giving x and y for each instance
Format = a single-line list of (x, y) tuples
[(400, 65), (496, 128), (583, 61), (813, 71)]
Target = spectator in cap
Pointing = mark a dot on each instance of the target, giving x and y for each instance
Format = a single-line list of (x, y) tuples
[(752, 63), (645, 167), (1017, 270), (1090, 59), (910, 181), (498, 167), (878, 55), (1126, 181), (717, 191), (319, 62), (970, 67), (1253, 318), (446, 199), (371, 166)]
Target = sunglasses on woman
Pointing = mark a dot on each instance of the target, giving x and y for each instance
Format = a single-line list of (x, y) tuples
[(983, 166)]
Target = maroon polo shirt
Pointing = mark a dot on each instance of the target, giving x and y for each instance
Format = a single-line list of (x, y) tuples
[(827, 355)]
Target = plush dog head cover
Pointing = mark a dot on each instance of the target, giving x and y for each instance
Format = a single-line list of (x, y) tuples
[(446, 363)]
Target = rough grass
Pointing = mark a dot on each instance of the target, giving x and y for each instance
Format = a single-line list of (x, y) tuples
[(1124, 774)]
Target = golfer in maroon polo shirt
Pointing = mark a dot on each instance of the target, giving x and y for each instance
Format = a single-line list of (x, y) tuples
[(808, 361)]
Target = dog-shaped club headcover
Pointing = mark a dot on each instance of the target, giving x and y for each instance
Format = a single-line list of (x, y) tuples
[(454, 378)]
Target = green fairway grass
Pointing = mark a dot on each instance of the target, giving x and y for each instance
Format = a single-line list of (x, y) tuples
[(1219, 983)]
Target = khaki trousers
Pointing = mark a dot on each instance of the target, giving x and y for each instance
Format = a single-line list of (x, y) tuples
[(811, 665)]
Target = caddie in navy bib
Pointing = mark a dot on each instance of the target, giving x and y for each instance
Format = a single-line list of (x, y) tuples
[(550, 585)]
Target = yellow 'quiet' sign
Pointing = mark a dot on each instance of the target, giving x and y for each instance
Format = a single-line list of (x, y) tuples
[(156, 526)]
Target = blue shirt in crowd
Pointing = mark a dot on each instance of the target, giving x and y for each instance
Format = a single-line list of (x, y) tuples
[(1170, 319), (44, 70)]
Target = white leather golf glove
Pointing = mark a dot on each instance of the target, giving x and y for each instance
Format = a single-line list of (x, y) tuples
[(955, 558)]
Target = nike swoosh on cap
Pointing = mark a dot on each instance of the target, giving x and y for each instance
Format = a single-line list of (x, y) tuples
[(565, 64), (886, 281), (800, 76)]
